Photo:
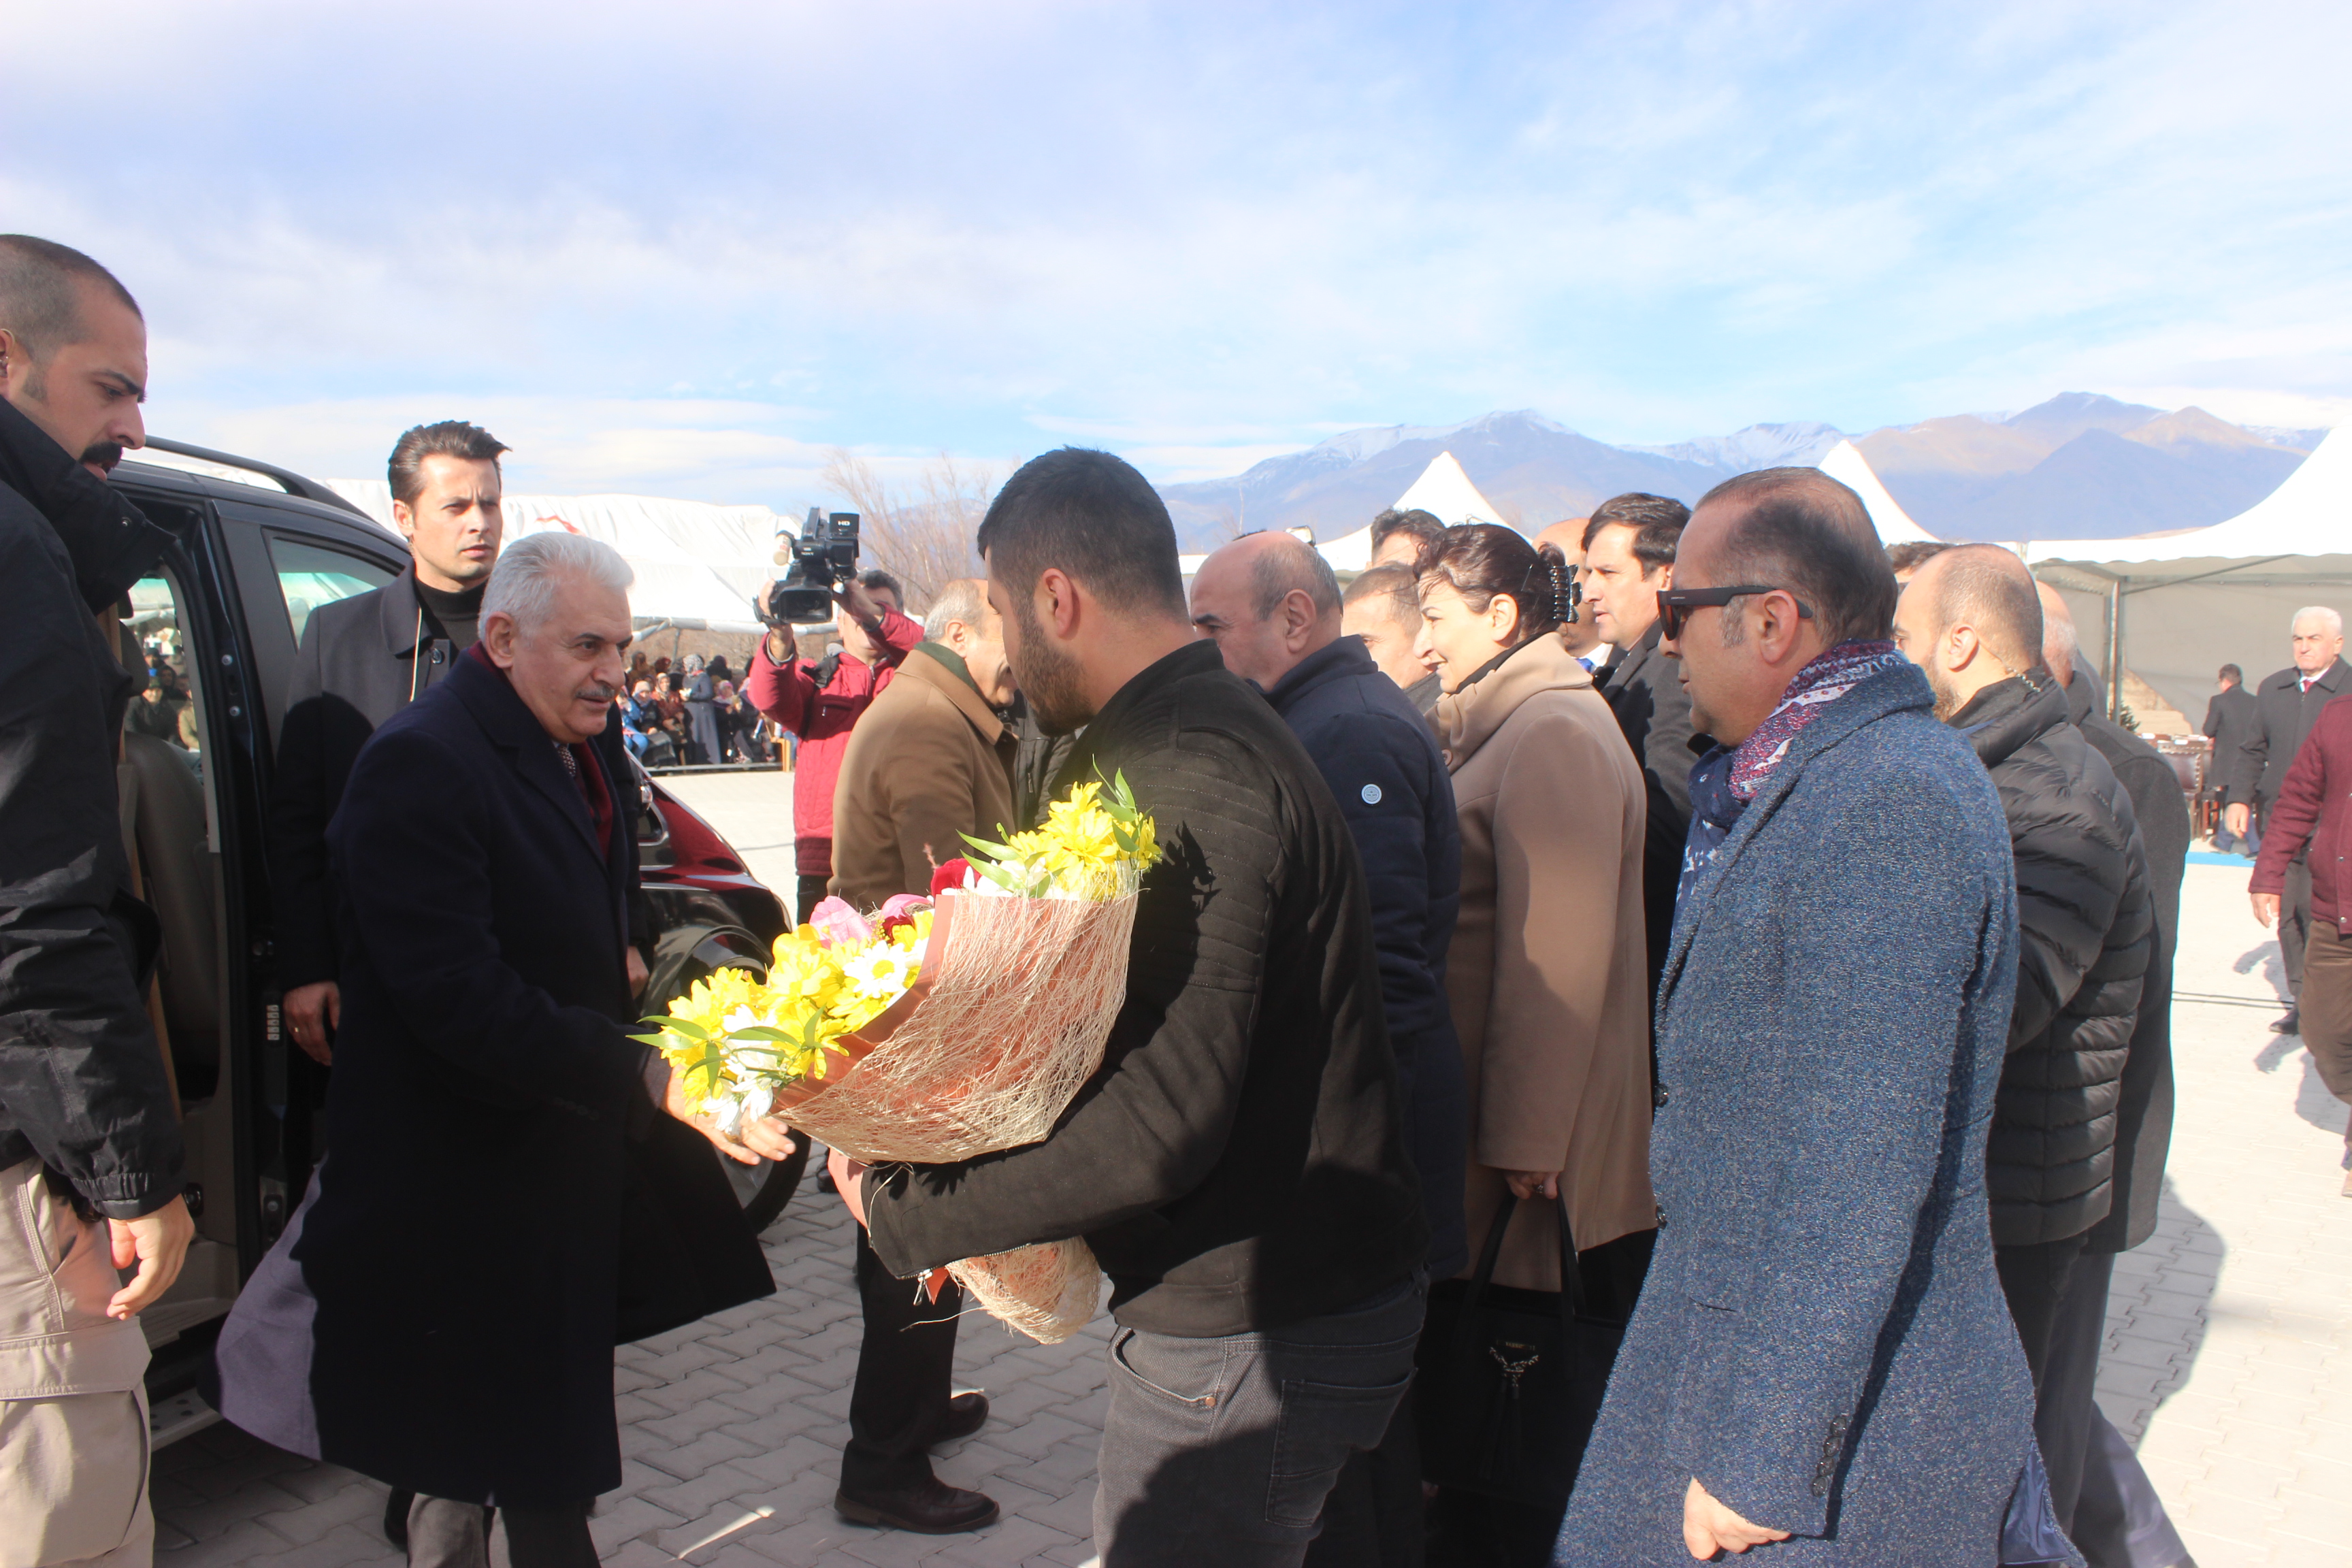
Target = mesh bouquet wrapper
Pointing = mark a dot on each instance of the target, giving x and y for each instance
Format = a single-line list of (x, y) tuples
[(939, 1029), (1004, 1024)]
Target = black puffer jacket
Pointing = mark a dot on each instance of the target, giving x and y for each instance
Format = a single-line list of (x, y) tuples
[(2088, 916)]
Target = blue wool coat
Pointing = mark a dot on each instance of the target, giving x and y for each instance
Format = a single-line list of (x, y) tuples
[(1823, 1342)]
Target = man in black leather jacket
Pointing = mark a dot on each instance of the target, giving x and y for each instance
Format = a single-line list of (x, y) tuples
[(1971, 619), (1238, 1163), (91, 1156)]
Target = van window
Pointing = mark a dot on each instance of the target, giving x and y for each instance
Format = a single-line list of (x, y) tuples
[(309, 575)]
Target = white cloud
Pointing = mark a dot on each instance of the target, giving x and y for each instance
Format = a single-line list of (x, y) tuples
[(1201, 237)]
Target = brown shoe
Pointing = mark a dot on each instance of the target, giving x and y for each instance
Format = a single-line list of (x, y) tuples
[(929, 1507)]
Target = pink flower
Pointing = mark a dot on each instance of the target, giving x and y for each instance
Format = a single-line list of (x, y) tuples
[(903, 906), (839, 925)]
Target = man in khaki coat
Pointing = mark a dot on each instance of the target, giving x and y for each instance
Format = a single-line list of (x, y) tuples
[(930, 762)]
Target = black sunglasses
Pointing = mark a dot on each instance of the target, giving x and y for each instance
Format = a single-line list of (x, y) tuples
[(1675, 605)]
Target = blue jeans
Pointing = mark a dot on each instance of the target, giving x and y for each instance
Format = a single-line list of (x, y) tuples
[(1222, 1450)]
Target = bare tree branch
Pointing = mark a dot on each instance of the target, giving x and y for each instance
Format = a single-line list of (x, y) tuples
[(921, 534)]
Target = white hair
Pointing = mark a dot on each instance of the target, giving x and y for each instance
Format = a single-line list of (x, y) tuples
[(523, 585), (2061, 643), (965, 600), (2323, 615)]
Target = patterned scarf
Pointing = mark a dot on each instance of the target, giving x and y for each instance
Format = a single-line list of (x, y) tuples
[(1726, 779)]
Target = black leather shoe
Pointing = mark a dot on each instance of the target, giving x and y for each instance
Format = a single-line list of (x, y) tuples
[(967, 1414), (2290, 1025), (929, 1507)]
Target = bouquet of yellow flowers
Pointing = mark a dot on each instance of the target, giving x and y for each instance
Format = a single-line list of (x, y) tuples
[(937, 1029)]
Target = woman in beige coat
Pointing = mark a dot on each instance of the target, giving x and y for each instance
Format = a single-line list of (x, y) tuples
[(1547, 971)]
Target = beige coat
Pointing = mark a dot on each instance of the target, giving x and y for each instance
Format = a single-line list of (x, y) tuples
[(1547, 972), (927, 763)]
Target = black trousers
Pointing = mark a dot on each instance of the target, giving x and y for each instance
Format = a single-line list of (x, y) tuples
[(2295, 921), (904, 1368), (2104, 1499), (812, 894), (2034, 1279), (445, 1533), (1374, 1517)]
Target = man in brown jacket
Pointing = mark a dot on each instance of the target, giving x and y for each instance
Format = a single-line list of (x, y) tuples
[(930, 762)]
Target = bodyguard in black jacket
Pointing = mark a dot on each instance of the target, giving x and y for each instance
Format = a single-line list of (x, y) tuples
[(2083, 906), (82, 1077), (363, 659), (91, 1156), (1238, 1164), (1629, 553)]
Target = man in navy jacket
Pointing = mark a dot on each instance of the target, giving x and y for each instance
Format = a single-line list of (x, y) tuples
[(1273, 605)]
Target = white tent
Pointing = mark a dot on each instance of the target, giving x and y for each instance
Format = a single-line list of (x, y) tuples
[(2188, 603), (1443, 491), (697, 564), (2310, 514), (1845, 464)]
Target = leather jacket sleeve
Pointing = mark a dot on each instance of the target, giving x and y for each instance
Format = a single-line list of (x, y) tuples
[(82, 1077)]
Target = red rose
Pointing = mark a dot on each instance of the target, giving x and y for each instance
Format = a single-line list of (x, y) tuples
[(951, 875)]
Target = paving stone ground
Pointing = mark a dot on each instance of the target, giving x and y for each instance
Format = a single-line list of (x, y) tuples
[(2229, 1357)]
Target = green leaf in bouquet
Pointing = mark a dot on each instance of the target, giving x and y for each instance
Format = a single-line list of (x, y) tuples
[(685, 1027)]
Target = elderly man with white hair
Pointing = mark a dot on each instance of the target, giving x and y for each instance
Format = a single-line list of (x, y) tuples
[(503, 1197), (2285, 707)]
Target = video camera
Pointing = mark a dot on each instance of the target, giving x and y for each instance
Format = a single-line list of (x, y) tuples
[(822, 558)]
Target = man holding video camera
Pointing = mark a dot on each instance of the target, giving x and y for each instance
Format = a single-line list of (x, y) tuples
[(821, 701)]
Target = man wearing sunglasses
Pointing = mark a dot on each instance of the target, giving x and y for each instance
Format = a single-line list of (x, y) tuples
[(1821, 1350)]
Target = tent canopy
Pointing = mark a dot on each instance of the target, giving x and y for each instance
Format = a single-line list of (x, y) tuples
[(1443, 491), (1845, 464), (697, 564), (2174, 607)]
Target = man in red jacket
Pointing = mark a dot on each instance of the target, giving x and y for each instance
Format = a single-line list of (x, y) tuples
[(821, 701), (2313, 809)]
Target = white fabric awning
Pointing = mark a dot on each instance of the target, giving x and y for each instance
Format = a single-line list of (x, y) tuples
[(697, 564), (1845, 464)]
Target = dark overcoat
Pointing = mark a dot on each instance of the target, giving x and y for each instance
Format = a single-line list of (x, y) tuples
[(1823, 1342), (362, 659), (441, 1313), (1645, 692), (1387, 774), (2285, 710)]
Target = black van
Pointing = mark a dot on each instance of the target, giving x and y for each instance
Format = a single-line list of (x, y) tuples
[(255, 550)]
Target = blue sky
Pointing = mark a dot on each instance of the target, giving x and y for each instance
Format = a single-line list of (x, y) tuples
[(684, 249)]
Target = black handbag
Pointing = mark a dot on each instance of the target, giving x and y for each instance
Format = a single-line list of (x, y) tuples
[(1509, 1381)]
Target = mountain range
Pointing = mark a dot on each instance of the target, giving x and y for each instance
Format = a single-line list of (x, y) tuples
[(2080, 466)]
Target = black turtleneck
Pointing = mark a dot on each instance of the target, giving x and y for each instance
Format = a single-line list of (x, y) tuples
[(457, 617)]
